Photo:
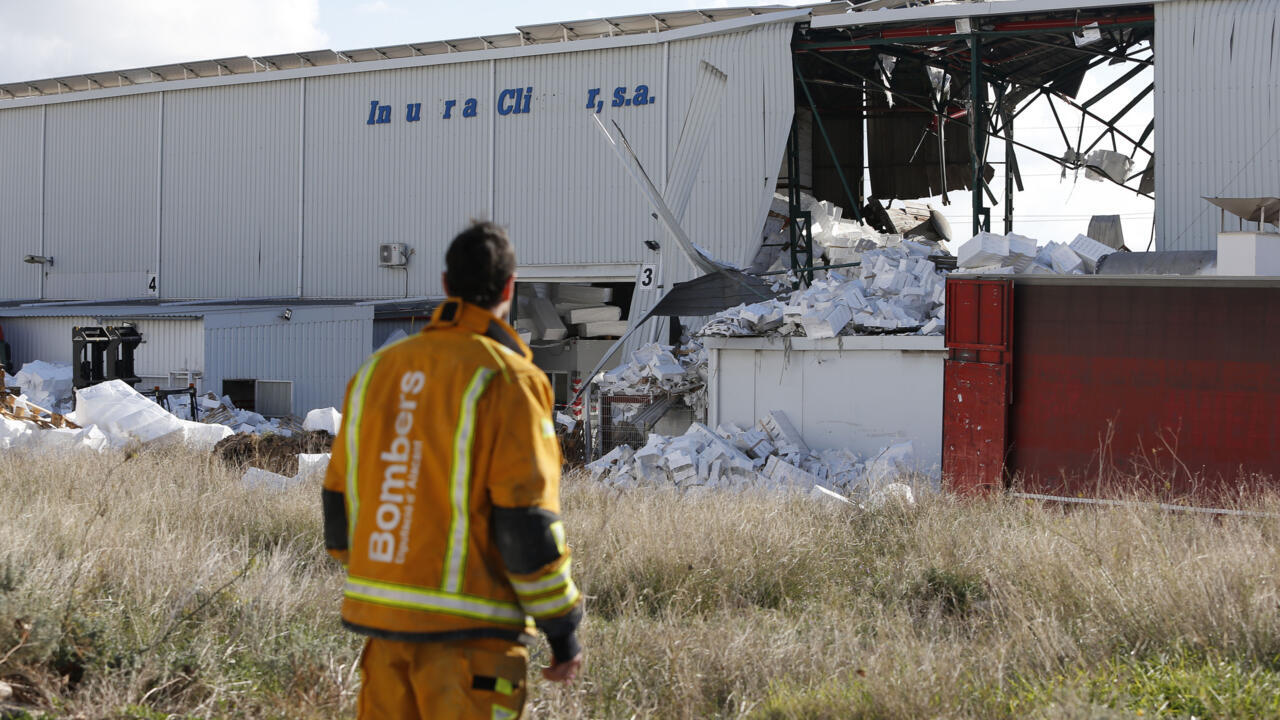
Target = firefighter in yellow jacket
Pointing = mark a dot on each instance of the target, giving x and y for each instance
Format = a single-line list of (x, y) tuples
[(442, 500)]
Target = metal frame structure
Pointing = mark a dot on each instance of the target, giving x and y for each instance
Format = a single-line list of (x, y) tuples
[(1012, 54)]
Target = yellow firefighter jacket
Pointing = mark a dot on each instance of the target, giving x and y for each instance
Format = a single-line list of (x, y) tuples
[(442, 495)]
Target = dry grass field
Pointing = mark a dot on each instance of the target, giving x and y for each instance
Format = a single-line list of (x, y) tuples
[(158, 587)]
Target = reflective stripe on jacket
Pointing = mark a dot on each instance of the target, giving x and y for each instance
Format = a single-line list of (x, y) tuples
[(437, 430)]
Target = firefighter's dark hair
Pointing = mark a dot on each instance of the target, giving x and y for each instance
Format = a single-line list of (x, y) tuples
[(478, 263)]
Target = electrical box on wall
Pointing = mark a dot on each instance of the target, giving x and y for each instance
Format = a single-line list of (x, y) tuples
[(393, 254)]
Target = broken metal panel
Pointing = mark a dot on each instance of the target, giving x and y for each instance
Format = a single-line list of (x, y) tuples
[(902, 153), (1184, 262), (713, 293), (1108, 230)]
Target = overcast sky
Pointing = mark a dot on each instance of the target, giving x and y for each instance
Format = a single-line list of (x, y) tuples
[(49, 38)]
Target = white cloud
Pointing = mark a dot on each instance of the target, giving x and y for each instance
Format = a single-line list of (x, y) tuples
[(66, 37), (377, 7)]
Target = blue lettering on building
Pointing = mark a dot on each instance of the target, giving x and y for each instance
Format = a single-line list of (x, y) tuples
[(513, 101), (379, 114)]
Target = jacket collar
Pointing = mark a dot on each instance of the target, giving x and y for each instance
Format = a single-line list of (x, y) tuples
[(457, 313)]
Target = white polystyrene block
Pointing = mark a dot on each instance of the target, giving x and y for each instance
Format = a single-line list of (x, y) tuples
[(1090, 251), (598, 313), (1022, 251), (266, 480), (546, 319), (780, 429), (1065, 260), (326, 419), (602, 329), (826, 323), (565, 292), (312, 465), (983, 249)]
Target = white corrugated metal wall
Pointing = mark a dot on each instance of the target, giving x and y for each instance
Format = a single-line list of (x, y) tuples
[(20, 197), (100, 206), (1217, 82), (218, 190), (169, 344), (231, 204), (319, 349), (411, 182)]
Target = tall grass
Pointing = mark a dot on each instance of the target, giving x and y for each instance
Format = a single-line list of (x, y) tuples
[(158, 585)]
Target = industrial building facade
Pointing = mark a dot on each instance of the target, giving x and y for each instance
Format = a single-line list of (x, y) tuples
[(284, 183), (222, 190)]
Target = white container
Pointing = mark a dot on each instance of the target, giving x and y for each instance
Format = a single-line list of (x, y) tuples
[(1248, 254), (862, 392)]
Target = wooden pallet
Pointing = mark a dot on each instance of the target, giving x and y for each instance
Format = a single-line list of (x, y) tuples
[(18, 409)]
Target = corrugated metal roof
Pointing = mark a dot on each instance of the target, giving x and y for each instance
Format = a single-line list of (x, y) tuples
[(546, 33), (953, 11)]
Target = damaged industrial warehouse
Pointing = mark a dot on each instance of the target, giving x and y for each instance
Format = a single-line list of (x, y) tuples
[(868, 263)]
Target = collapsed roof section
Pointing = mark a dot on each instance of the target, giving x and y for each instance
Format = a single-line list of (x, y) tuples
[(936, 83)]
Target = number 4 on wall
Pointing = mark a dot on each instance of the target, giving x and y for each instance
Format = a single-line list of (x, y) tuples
[(152, 286)]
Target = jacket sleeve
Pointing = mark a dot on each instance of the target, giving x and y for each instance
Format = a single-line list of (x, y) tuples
[(524, 487), (333, 497)]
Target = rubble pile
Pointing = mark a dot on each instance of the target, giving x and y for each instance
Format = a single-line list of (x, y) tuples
[(113, 414), (657, 367), (212, 409), (991, 254), (654, 369), (45, 384), (838, 239), (897, 289), (108, 415), (771, 455)]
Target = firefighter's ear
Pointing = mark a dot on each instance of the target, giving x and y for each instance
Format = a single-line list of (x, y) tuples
[(509, 288), (444, 282)]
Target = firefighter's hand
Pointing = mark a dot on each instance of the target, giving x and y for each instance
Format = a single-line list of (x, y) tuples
[(564, 671)]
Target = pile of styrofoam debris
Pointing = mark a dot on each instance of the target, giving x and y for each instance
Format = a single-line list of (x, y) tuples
[(222, 411), (311, 468), (837, 239), (657, 367), (991, 254), (897, 289), (771, 455), (554, 308), (111, 415), (654, 369), (45, 384)]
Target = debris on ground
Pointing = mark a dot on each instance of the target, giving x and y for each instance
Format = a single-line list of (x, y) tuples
[(112, 415), (274, 453), (311, 468), (326, 419), (770, 455), (126, 416), (45, 384), (220, 410)]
